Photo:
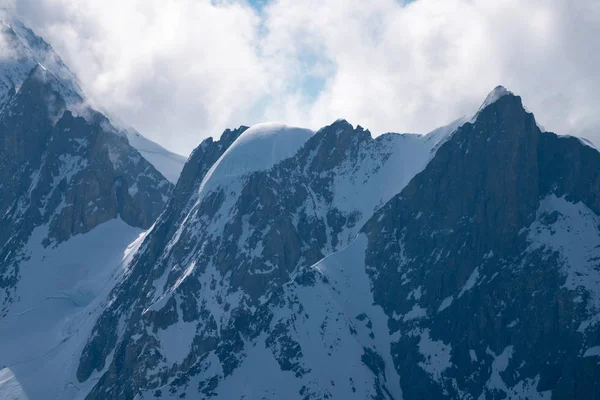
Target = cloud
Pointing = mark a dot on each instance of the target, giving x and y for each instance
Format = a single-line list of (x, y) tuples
[(415, 67), (7, 48), (185, 69), (178, 71)]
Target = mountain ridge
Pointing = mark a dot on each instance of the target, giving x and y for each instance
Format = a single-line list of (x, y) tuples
[(322, 152), (329, 264)]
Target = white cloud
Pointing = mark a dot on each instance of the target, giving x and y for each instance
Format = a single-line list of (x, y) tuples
[(185, 69), (175, 70)]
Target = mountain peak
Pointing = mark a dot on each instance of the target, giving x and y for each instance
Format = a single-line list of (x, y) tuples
[(25, 54), (29, 58), (498, 92), (258, 148)]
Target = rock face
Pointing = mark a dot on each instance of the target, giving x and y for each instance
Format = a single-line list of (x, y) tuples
[(487, 265), (21, 51), (62, 164)]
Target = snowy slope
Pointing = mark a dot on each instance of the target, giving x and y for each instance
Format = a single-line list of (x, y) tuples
[(326, 311), (257, 149), (167, 163), (58, 298), (10, 388)]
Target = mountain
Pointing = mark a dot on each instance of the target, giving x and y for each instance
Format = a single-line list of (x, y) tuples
[(490, 273), (460, 264), (74, 195), (21, 50), (288, 263)]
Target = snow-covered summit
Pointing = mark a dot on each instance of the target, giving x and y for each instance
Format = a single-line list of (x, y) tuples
[(23, 54), (21, 51), (257, 149), (498, 92)]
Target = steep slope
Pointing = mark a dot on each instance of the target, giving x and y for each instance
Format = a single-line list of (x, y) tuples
[(199, 291), (67, 172), (486, 264), (21, 51), (74, 194), (62, 287), (62, 178), (167, 163), (290, 263)]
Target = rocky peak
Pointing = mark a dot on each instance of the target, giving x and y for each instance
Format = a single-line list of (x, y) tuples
[(455, 258), (23, 52), (498, 92), (24, 56), (201, 160), (501, 194), (474, 276), (219, 261), (331, 145)]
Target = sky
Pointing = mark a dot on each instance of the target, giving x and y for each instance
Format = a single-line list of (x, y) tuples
[(182, 70)]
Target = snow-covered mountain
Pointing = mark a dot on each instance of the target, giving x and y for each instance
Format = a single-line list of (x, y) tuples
[(459, 264), (74, 195), (21, 50), (292, 264)]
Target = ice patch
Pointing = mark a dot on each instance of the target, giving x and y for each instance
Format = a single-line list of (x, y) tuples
[(415, 294), (176, 341), (446, 303), (470, 283), (592, 352), (437, 355), (133, 189), (10, 388), (523, 390), (499, 365), (473, 355), (415, 313)]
